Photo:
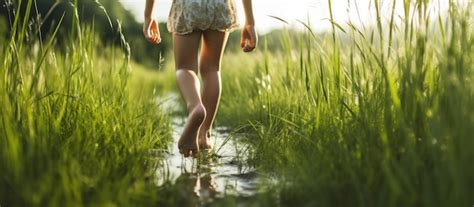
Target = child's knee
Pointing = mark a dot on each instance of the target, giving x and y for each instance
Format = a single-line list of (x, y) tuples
[(180, 70), (207, 68)]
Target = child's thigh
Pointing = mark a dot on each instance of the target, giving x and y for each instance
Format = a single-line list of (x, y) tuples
[(186, 50), (213, 47)]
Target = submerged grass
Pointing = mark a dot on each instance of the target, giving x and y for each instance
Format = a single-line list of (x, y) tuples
[(74, 129), (366, 117)]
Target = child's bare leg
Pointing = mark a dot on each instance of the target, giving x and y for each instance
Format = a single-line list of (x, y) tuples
[(185, 48), (211, 54)]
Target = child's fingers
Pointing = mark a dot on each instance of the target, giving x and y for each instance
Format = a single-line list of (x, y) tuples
[(246, 49), (149, 36), (249, 40), (152, 33), (154, 38), (249, 46), (157, 37), (150, 39)]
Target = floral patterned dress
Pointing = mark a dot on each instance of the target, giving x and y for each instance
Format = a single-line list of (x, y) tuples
[(187, 16)]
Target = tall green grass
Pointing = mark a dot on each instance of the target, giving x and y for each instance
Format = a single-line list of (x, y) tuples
[(74, 130), (364, 116)]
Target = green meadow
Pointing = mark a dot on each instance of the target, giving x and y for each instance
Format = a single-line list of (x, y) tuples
[(360, 115)]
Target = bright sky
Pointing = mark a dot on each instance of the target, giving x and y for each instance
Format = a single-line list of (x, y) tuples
[(291, 10)]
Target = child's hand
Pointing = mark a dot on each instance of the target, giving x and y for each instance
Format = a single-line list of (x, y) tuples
[(249, 38), (151, 31)]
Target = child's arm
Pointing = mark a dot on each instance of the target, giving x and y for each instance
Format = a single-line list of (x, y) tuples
[(150, 26), (249, 38)]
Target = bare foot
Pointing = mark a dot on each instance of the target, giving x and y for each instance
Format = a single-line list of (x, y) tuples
[(205, 139), (188, 142)]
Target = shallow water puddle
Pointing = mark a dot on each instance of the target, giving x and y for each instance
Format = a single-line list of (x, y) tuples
[(215, 174)]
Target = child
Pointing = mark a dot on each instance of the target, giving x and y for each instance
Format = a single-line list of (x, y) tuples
[(205, 22)]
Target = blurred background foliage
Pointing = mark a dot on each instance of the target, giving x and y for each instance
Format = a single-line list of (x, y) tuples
[(46, 14)]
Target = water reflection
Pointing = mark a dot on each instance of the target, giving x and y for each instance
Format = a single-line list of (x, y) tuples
[(197, 187)]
